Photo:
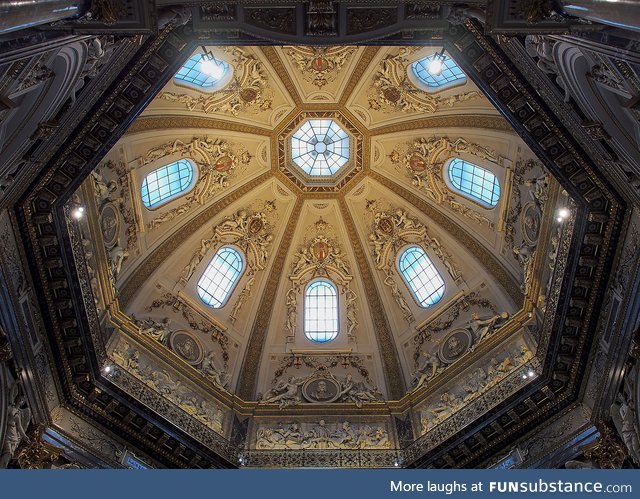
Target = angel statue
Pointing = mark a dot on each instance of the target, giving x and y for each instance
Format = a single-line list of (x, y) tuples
[(18, 418)]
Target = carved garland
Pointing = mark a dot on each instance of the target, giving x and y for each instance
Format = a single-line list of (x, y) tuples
[(216, 161), (321, 257), (252, 232), (248, 90), (320, 65), (393, 90), (424, 162), (393, 229)]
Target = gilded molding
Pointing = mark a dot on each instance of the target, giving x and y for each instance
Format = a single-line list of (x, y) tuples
[(464, 121), (168, 122), (386, 343), (253, 354)]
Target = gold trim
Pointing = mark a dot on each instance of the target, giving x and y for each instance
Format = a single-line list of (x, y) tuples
[(168, 122)]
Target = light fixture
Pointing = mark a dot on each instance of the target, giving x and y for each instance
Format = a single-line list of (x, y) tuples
[(563, 214), (436, 64), (77, 212), (211, 66), (107, 369), (242, 460), (531, 373)]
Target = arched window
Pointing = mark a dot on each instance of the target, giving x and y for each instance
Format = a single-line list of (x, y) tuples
[(450, 75), (202, 71), (166, 183), (474, 182), (220, 277), (421, 276), (321, 311)]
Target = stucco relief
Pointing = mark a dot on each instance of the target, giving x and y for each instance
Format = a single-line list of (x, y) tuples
[(390, 231), (248, 92), (217, 161), (323, 435), (393, 91)]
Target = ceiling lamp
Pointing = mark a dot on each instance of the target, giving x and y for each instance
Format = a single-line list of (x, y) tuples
[(436, 64), (211, 66)]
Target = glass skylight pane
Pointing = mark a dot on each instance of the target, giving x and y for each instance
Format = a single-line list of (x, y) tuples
[(166, 182), (451, 72), (219, 278), (191, 71), (421, 276), (320, 147), (321, 311), (474, 182)]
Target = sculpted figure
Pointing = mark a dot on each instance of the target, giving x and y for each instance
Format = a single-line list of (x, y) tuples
[(210, 370), (117, 255), (285, 393), (397, 295), (291, 311), (157, 331), (431, 366), (18, 418), (480, 328)]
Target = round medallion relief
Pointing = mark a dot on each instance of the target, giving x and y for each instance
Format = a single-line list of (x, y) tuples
[(455, 345), (248, 95), (530, 223), (187, 346), (110, 224), (385, 225), (224, 164), (392, 94), (255, 225), (320, 250), (319, 64), (320, 390), (417, 164)]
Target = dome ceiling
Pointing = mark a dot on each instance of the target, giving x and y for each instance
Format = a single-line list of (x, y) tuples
[(394, 140)]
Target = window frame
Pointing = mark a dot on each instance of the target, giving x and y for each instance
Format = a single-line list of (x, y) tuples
[(470, 197), (418, 82), (442, 277), (218, 85), (234, 284), (334, 286), (343, 160), (172, 197)]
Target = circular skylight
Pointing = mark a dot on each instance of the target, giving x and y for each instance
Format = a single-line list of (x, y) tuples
[(320, 147)]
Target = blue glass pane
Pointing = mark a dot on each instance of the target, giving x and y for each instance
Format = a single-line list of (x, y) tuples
[(321, 311), (218, 280), (451, 72), (320, 147), (421, 276), (192, 72), (474, 181), (166, 182)]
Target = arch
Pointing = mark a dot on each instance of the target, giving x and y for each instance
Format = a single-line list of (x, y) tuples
[(474, 182), (166, 183), (421, 276), (450, 76), (321, 322), (192, 75), (220, 277)]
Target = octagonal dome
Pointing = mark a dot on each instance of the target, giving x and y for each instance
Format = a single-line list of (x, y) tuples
[(320, 147)]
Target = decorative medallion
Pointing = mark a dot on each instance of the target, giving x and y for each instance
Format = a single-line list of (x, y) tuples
[(110, 223), (455, 345), (321, 390), (531, 223), (187, 346), (320, 65)]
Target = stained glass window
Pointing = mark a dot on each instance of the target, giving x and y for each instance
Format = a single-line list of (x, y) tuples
[(220, 277), (202, 71), (474, 182), (320, 147), (321, 311), (166, 182), (450, 75), (421, 276)]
